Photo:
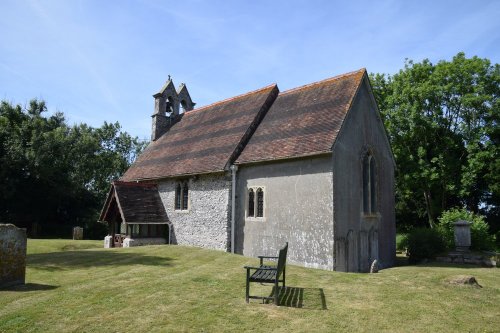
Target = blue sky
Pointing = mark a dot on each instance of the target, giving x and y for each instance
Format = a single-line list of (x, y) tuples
[(102, 60)]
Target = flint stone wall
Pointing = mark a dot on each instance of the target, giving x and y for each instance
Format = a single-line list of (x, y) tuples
[(12, 255), (206, 222)]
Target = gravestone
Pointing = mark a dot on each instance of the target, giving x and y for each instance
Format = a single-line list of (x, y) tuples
[(374, 266), (77, 233), (12, 255), (462, 236)]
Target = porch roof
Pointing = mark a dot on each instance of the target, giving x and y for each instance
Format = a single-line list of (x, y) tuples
[(136, 203)]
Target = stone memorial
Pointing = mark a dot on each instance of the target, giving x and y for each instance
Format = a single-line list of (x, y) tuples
[(12, 255), (462, 236), (77, 233)]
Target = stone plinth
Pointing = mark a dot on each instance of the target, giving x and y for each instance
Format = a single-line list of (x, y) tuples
[(462, 236), (77, 233), (12, 255), (130, 242)]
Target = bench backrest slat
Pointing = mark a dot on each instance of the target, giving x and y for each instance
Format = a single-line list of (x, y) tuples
[(282, 260)]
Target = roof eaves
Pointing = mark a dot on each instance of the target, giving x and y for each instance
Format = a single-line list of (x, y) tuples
[(281, 159), (181, 175)]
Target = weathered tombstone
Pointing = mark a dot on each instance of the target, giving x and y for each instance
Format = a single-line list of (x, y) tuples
[(12, 255), (77, 233), (462, 236), (108, 242), (374, 266)]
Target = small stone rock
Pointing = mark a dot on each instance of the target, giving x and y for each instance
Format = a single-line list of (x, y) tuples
[(466, 280), (374, 266)]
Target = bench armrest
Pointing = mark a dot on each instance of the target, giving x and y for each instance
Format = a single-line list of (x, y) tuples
[(265, 257)]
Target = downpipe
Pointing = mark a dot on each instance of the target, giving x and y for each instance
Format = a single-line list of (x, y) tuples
[(234, 169)]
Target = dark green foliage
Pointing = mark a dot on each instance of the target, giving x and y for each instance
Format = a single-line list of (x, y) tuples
[(424, 243), (95, 230), (401, 242), (442, 121), (481, 239), (53, 174)]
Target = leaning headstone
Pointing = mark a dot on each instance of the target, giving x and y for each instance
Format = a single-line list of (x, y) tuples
[(374, 266), (462, 236), (77, 233), (12, 255)]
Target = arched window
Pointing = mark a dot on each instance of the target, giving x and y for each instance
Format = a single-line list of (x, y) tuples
[(251, 203), (181, 196), (169, 106), (260, 203), (255, 208), (182, 107), (185, 196), (178, 191), (369, 184)]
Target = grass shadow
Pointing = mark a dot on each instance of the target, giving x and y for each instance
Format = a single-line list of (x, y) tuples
[(57, 261), (29, 287), (302, 298)]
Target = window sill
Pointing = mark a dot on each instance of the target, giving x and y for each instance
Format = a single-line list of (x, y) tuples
[(182, 211), (255, 219), (370, 215)]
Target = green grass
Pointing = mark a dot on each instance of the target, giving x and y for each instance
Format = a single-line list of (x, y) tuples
[(77, 286)]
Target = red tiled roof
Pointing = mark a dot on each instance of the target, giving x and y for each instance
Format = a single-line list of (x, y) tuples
[(204, 140), (303, 121)]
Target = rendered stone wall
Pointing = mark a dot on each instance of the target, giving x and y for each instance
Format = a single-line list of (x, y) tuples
[(361, 238), (206, 223), (298, 209), (12, 255)]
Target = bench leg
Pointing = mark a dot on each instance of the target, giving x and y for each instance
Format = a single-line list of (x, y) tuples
[(276, 292), (248, 286), (284, 271)]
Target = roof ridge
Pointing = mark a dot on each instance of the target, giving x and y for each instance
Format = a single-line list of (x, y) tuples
[(133, 184), (334, 78), (203, 108)]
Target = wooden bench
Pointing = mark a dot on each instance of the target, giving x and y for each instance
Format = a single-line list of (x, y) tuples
[(268, 274)]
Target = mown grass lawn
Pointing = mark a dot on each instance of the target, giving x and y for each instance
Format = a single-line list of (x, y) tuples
[(77, 286)]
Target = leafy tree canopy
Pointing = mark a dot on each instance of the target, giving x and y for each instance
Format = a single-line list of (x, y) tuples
[(53, 173), (442, 121)]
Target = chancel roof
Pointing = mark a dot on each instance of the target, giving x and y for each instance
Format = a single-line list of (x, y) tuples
[(303, 121)]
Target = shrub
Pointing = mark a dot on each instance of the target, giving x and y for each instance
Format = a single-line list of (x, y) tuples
[(95, 230), (401, 242), (481, 239), (424, 243)]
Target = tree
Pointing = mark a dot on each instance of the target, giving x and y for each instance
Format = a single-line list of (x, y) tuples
[(55, 174), (442, 121)]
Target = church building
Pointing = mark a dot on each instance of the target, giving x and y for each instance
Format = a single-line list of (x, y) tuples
[(311, 166)]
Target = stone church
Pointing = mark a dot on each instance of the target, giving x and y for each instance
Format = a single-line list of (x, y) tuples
[(311, 166)]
